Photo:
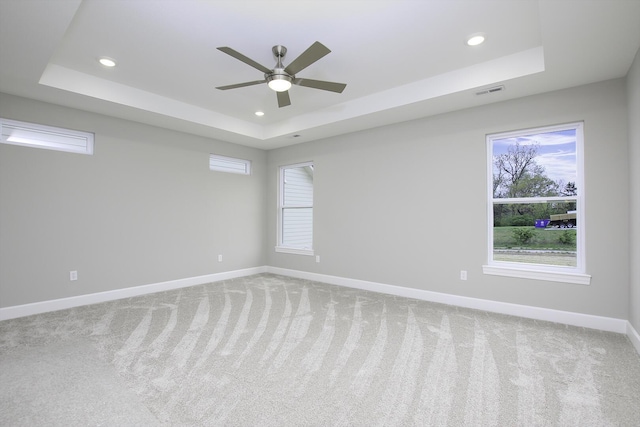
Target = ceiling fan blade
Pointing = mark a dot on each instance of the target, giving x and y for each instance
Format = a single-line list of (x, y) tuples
[(320, 84), (244, 59), (306, 58), (237, 85), (283, 99)]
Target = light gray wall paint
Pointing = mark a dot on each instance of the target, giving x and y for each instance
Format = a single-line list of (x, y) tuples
[(145, 208), (406, 204), (633, 90)]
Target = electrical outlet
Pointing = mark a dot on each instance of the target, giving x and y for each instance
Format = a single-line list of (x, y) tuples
[(73, 275), (317, 258), (463, 274), (220, 258)]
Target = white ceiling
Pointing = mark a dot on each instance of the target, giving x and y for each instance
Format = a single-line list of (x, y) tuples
[(401, 59)]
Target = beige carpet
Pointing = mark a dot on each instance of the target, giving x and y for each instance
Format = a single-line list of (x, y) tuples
[(273, 351)]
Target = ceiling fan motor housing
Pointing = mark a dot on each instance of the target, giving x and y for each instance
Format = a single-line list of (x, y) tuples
[(278, 79)]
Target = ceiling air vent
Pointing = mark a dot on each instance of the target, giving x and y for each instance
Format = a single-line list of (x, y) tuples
[(491, 90)]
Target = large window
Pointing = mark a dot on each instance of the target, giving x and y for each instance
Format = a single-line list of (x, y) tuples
[(295, 209), (536, 215)]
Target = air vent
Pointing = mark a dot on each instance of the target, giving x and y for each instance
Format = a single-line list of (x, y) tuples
[(491, 90)]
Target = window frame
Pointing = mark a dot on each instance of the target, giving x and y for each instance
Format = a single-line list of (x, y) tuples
[(35, 135), (280, 247), (575, 275), (217, 167)]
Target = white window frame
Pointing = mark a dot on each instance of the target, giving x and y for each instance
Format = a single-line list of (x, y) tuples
[(229, 164), (280, 247), (575, 275), (14, 132)]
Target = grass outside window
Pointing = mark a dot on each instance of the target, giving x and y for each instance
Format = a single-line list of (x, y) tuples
[(548, 246)]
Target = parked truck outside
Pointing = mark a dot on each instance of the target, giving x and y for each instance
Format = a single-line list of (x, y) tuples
[(567, 220)]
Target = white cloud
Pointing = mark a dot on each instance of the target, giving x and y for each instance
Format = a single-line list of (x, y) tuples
[(559, 165)]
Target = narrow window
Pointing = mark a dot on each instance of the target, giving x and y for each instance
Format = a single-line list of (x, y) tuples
[(229, 164), (536, 216), (48, 137), (295, 209)]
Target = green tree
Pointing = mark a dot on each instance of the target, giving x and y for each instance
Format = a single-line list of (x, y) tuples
[(535, 184), (516, 174), (511, 167), (570, 189)]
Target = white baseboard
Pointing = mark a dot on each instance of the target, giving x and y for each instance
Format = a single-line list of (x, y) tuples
[(64, 303), (633, 336), (568, 318)]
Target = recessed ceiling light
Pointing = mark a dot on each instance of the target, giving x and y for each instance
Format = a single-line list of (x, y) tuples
[(259, 113), (107, 62), (475, 39)]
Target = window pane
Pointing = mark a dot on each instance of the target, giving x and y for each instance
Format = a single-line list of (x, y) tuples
[(298, 186), (48, 137), (540, 164), (536, 233), (229, 164), (297, 227), (295, 213)]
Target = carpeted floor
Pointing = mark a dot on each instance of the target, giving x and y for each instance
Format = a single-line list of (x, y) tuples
[(273, 351)]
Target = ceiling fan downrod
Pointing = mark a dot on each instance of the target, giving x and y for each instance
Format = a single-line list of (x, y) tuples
[(278, 79)]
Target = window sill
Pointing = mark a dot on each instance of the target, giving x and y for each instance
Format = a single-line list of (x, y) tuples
[(552, 276), (296, 251)]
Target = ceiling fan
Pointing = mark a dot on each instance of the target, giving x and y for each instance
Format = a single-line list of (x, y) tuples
[(280, 78)]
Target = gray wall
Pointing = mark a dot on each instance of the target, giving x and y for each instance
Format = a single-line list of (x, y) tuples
[(402, 204), (633, 88), (406, 204), (143, 209)]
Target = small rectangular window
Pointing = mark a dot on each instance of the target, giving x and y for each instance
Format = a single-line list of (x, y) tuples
[(48, 137), (229, 164), (536, 216), (295, 209)]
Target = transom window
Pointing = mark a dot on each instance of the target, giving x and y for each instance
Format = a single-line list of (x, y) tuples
[(229, 164), (35, 135), (536, 215)]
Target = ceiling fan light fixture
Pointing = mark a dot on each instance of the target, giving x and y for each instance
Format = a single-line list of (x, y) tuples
[(279, 83)]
